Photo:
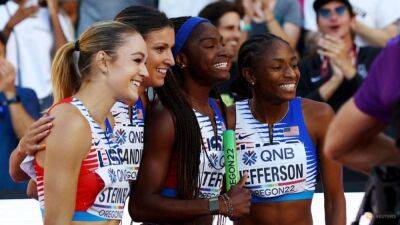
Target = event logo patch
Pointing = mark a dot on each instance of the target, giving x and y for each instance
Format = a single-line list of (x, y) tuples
[(120, 136), (112, 175), (213, 160), (249, 158)]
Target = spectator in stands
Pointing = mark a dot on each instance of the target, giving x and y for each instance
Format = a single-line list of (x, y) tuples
[(334, 72), (91, 11), (32, 42), (19, 107), (70, 7), (177, 8), (226, 17), (280, 17), (376, 22)]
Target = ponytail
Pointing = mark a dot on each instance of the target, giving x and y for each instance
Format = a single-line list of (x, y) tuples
[(66, 80), (73, 62)]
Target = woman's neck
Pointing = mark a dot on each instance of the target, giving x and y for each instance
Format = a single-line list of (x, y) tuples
[(197, 94), (97, 99), (268, 111)]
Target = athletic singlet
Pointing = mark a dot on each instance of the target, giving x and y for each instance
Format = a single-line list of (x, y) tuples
[(128, 132), (283, 171), (103, 179), (211, 172)]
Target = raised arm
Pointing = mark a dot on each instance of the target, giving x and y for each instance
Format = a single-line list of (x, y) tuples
[(376, 36), (59, 36), (21, 14)]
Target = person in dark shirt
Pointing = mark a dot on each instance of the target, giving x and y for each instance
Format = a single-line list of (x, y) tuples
[(335, 71), (19, 107), (337, 68)]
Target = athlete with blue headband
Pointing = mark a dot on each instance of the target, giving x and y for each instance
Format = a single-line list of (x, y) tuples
[(280, 139), (181, 176)]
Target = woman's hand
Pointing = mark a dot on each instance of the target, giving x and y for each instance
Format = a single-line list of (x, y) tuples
[(37, 131), (240, 199)]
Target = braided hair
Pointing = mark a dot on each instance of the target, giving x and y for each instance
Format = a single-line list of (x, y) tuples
[(187, 130), (252, 50)]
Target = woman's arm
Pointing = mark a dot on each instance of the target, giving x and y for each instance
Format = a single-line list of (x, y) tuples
[(29, 145), (289, 30), (331, 172), (66, 147), (31, 190), (148, 204)]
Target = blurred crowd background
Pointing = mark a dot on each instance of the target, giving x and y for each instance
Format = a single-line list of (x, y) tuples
[(337, 42)]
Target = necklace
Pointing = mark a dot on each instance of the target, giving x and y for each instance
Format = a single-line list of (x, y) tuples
[(270, 126)]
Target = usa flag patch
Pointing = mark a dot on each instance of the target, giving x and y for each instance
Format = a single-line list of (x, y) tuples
[(139, 114), (291, 131)]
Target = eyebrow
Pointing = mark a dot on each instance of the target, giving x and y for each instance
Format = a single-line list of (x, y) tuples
[(161, 43), (278, 59), (207, 38), (138, 53), (283, 60)]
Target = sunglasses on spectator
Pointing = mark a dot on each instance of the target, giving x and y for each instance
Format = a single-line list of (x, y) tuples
[(327, 13)]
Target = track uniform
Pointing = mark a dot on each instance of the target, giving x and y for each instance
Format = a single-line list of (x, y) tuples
[(129, 133), (211, 158), (103, 178), (283, 170)]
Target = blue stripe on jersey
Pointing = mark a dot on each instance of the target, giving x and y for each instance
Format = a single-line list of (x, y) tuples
[(284, 131), (82, 216), (169, 192)]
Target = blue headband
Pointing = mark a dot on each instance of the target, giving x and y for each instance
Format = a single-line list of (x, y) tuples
[(184, 32)]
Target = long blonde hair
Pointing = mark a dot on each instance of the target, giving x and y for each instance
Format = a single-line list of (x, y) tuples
[(72, 62)]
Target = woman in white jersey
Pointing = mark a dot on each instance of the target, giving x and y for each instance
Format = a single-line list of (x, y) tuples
[(158, 33), (80, 168), (280, 139)]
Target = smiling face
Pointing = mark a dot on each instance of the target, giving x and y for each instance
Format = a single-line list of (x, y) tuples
[(335, 19), (160, 58), (229, 28), (127, 70), (205, 55), (276, 75)]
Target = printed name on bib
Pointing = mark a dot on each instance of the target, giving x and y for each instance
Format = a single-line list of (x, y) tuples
[(274, 170)]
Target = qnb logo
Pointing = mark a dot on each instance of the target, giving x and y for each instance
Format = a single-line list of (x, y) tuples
[(249, 158), (112, 175), (120, 136)]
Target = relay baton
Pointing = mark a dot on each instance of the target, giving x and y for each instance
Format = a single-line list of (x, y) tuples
[(231, 161)]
